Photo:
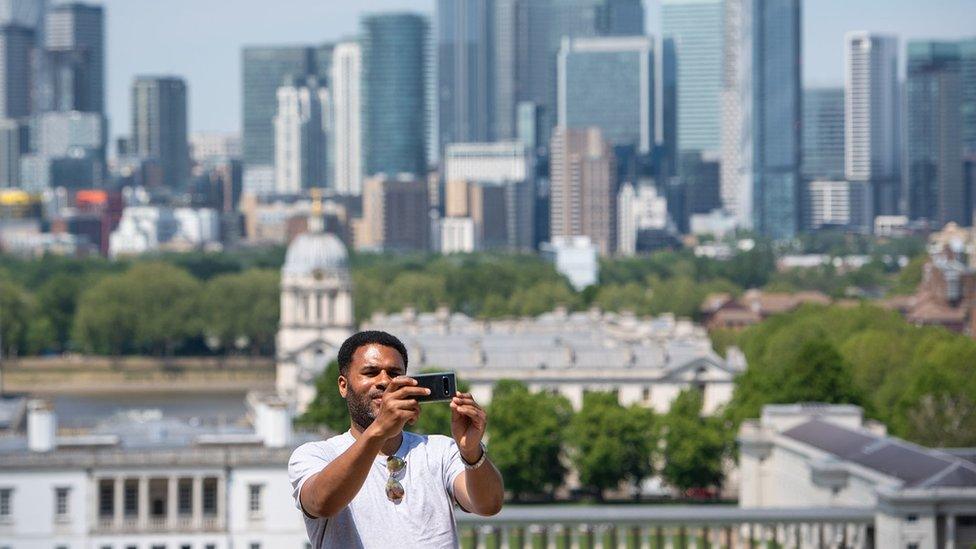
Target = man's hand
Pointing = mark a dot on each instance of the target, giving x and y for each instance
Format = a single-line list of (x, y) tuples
[(397, 407), (468, 423)]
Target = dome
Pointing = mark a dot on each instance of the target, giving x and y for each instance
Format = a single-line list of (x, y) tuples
[(311, 252)]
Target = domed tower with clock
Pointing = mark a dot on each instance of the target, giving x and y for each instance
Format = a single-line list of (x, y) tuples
[(316, 313)]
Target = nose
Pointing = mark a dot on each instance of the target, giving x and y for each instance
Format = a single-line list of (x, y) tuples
[(382, 380)]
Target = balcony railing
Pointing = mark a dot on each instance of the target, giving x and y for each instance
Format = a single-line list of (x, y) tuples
[(183, 523), (668, 527)]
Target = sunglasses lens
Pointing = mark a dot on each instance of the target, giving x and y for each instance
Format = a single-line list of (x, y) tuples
[(395, 464), (394, 490)]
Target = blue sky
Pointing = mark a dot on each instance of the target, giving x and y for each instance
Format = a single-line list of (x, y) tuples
[(201, 39)]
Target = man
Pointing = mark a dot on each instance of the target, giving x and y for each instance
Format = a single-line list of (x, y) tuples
[(379, 486)]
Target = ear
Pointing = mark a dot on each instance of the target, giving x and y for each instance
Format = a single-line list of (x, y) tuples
[(343, 386)]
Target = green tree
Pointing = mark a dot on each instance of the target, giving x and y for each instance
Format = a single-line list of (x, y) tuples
[(526, 433), (609, 443), (57, 298), (694, 446), (328, 408), (243, 305), (540, 298), (152, 308), (423, 292), (16, 309)]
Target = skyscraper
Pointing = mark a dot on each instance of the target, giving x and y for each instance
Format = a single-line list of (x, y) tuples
[(346, 146), (504, 171), (823, 134), (75, 57), (464, 56), (264, 70), (761, 115), (871, 116), (967, 59), (395, 214), (300, 140), (394, 92), (159, 126), (527, 37), (608, 83), (29, 14), (582, 193), (16, 43), (695, 26), (933, 163)]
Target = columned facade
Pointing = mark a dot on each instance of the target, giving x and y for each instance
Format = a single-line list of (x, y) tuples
[(128, 503)]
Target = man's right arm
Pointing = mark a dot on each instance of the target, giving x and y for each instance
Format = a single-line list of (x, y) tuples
[(330, 490)]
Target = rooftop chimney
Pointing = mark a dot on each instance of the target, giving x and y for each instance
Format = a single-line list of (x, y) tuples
[(42, 426), (273, 422)]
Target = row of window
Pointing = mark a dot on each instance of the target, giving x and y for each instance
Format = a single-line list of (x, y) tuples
[(130, 500), (61, 499)]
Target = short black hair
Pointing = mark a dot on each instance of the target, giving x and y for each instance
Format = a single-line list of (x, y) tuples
[(368, 337)]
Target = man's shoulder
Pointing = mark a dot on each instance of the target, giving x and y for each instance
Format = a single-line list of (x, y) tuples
[(322, 448)]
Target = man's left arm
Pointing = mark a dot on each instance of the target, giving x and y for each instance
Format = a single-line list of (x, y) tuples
[(479, 490)]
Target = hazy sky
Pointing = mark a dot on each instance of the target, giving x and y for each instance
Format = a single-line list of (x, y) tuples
[(201, 40)]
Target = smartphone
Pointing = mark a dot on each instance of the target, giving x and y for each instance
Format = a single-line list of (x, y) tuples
[(442, 386)]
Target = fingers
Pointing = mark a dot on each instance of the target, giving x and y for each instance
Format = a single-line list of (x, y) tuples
[(400, 381)]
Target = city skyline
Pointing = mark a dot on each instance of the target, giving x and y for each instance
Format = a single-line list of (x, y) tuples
[(204, 44)]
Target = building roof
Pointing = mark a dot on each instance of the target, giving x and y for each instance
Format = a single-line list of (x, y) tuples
[(915, 466), (558, 340), (311, 252)]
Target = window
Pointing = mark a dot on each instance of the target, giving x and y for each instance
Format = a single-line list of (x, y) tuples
[(255, 546), (185, 547), (210, 496), (184, 496), (106, 498), (61, 502), (911, 518), (912, 546), (210, 546), (6, 494), (254, 498), (130, 498), (646, 393)]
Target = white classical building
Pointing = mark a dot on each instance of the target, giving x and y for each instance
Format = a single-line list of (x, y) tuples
[(316, 313), (646, 361), (146, 482), (828, 456)]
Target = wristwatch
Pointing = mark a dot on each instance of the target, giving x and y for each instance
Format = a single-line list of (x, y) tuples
[(481, 460)]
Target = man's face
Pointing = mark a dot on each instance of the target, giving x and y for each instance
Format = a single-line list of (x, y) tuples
[(373, 366)]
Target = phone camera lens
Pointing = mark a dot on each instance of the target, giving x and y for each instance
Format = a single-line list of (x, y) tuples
[(447, 386)]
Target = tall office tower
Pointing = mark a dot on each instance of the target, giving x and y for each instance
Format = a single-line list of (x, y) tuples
[(639, 208), (159, 126), (13, 145), (967, 60), (346, 147), (823, 134), (871, 116), (504, 170), (395, 214), (263, 70), (75, 57), (394, 86), (933, 164), (697, 188), (29, 14), (16, 43), (695, 26), (300, 140), (608, 83), (464, 55), (527, 35), (582, 193), (761, 115)]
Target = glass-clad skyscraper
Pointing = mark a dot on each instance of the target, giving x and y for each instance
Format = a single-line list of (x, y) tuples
[(762, 115), (823, 134), (159, 126), (609, 83), (75, 57), (394, 80), (933, 163), (695, 26), (464, 57)]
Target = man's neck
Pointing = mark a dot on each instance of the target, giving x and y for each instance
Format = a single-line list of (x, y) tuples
[(390, 446)]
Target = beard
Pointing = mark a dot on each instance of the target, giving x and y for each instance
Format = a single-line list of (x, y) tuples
[(360, 407)]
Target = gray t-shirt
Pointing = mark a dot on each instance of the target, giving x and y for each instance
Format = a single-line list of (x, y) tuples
[(425, 516)]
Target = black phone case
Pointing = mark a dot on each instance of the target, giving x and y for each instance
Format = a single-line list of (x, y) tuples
[(442, 386)]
